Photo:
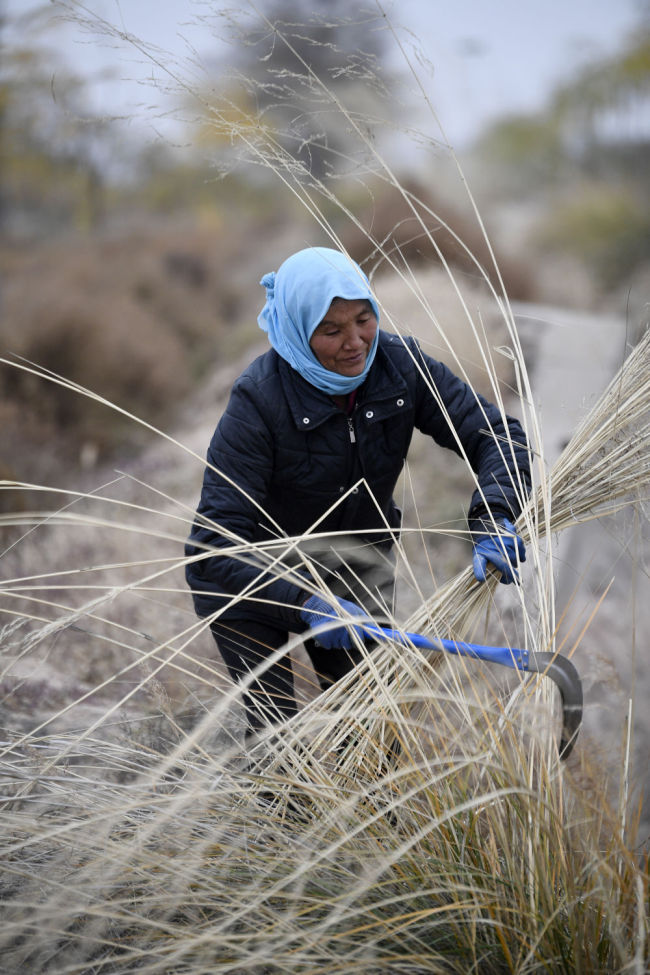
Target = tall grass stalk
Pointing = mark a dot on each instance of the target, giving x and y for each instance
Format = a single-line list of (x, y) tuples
[(138, 835)]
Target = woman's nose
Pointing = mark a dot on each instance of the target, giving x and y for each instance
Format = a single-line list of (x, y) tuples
[(353, 338)]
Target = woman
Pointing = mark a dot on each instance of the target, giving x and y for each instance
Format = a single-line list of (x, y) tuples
[(310, 446)]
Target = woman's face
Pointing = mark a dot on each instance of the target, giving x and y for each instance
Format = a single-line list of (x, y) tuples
[(342, 340)]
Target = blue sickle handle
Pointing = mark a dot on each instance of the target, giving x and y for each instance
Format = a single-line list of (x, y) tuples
[(507, 656), (552, 665)]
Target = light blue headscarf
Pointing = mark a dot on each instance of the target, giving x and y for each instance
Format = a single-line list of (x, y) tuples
[(297, 297)]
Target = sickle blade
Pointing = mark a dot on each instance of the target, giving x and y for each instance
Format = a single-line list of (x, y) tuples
[(558, 668)]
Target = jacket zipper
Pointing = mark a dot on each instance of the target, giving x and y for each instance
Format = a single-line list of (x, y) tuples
[(353, 439)]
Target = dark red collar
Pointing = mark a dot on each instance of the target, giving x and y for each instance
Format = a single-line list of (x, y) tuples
[(352, 397)]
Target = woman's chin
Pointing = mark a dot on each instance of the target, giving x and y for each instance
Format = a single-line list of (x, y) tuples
[(352, 368)]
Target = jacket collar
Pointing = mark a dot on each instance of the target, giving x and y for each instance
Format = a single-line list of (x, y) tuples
[(310, 406)]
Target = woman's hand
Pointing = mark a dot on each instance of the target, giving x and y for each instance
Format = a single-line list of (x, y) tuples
[(503, 549), (317, 612)]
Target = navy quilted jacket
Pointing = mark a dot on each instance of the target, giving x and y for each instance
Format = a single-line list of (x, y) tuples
[(284, 454)]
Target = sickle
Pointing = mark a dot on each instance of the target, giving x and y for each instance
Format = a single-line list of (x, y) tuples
[(552, 665)]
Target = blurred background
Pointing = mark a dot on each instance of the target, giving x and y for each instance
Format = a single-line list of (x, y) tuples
[(133, 229)]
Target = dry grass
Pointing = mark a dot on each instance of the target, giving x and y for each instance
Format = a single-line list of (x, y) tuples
[(138, 836)]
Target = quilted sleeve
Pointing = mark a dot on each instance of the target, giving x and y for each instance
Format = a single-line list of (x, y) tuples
[(231, 512), (494, 443)]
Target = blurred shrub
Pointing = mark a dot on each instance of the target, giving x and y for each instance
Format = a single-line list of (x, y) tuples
[(137, 319), (606, 227), (421, 237), (522, 151)]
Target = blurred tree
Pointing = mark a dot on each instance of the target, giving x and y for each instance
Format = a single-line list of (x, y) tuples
[(612, 83), (57, 155), (605, 227), (587, 155), (307, 74), (599, 118), (604, 113), (50, 170), (528, 149)]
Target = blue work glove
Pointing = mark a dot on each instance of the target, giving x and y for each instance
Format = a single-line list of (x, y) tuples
[(502, 550), (317, 611)]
